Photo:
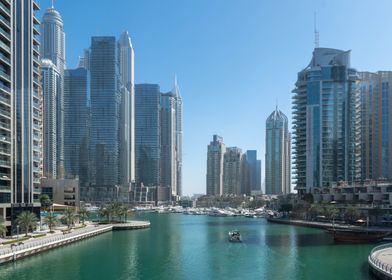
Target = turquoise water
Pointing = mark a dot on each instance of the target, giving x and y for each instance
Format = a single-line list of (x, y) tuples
[(195, 247)]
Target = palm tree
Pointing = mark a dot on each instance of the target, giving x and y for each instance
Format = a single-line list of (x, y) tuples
[(27, 220), (3, 228), (113, 209), (103, 212), (83, 214), (122, 211), (52, 221), (45, 202), (69, 216)]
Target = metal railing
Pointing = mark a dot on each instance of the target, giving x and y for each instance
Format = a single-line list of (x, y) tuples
[(374, 261), (49, 240)]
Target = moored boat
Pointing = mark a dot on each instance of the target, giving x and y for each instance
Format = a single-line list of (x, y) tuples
[(357, 235)]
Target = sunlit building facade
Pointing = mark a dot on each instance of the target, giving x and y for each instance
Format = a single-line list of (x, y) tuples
[(326, 122), (277, 155), (215, 155)]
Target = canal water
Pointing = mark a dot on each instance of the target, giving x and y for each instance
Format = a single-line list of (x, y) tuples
[(181, 246)]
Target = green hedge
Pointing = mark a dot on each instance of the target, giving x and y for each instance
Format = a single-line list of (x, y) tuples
[(39, 235), (16, 241)]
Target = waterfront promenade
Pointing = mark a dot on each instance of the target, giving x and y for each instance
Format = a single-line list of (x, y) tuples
[(32, 246), (380, 261), (324, 225)]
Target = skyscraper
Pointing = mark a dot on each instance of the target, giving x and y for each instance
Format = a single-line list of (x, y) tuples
[(126, 70), (376, 120), (53, 48), (254, 167), (179, 134), (20, 111), (215, 155), (77, 125), (168, 131), (51, 87), (147, 134), (326, 125), (233, 171), (277, 156), (105, 111)]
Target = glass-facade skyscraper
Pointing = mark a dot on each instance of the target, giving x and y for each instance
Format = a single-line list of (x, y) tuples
[(168, 133), (277, 154), (179, 133), (105, 111), (77, 125), (51, 89), (326, 122), (53, 49), (127, 110), (147, 134), (254, 170), (376, 120)]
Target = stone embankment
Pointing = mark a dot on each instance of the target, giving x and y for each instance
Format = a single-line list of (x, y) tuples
[(10, 253)]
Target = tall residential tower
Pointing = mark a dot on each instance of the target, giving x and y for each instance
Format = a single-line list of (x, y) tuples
[(20, 111), (215, 156), (326, 122), (52, 50), (277, 156)]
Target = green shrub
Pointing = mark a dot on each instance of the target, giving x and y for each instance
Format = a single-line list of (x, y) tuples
[(16, 240)]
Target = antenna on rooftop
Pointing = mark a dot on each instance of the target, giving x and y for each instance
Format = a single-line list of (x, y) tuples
[(316, 33), (52, 4)]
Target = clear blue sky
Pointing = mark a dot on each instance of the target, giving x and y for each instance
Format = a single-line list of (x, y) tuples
[(235, 59)]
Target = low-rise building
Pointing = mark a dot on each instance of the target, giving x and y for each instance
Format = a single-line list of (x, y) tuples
[(62, 191)]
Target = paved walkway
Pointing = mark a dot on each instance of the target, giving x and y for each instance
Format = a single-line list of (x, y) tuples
[(326, 225), (33, 246)]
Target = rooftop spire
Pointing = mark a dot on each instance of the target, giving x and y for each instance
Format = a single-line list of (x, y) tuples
[(316, 33), (52, 4)]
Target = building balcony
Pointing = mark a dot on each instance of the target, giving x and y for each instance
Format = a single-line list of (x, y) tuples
[(5, 9)]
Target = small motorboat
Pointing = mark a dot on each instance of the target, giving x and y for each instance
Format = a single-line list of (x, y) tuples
[(234, 236)]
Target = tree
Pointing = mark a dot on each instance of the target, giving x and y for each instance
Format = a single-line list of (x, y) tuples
[(69, 217), (46, 203), (315, 210), (83, 214), (351, 214), (52, 221), (103, 212), (308, 197), (27, 220), (286, 207), (331, 212), (123, 211), (3, 228)]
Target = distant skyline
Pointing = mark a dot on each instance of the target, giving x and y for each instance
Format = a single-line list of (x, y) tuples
[(234, 61)]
